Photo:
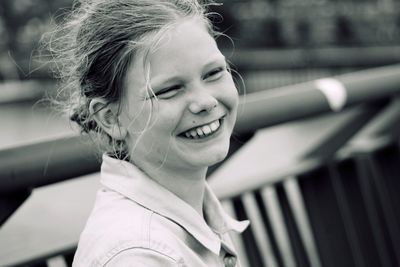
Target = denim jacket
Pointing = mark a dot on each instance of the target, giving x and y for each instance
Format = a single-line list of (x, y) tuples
[(137, 222)]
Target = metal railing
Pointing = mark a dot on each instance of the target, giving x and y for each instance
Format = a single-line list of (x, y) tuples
[(48, 162), (25, 168), (336, 205)]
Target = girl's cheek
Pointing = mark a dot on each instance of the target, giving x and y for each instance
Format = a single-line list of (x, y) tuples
[(169, 113), (231, 94)]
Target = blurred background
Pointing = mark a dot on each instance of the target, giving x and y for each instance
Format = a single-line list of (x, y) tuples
[(274, 43), (25, 77)]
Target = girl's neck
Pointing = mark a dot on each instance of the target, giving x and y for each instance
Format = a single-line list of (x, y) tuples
[(188, 185)]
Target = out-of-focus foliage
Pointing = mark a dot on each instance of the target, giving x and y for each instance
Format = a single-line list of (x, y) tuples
[(250, 23), (22, 23), (308, 23)]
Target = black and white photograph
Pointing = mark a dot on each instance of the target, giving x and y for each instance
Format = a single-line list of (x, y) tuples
[(200, 133)]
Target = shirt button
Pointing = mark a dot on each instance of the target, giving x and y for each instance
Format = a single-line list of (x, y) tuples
[(230, 261)]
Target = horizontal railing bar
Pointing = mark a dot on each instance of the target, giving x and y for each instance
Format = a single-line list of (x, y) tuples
[(271, 107), (57, 160), (325, 57), (44, 163)]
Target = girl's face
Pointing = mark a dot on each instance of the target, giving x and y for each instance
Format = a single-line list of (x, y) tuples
[(189, 122)]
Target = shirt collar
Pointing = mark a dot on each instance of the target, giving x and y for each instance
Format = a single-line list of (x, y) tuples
[(126, 179)]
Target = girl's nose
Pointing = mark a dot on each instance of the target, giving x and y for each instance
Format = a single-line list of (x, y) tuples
[(205, 103)]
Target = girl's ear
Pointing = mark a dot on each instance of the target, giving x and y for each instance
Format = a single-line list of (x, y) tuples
[(106, 117)]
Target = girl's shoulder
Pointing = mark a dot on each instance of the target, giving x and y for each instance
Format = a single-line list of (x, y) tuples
[(119, 224)]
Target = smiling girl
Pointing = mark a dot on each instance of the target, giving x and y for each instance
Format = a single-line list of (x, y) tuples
[(151, 84)]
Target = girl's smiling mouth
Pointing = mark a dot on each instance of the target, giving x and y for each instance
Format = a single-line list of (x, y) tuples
[(203, 131)]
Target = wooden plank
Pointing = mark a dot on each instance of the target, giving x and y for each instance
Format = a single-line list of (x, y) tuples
[(252, 250), (34, 230), (272, 208), (300, 215), (268, 227), (11, 202), (260, 234), (296, 241), (57, 262), (236, 238)]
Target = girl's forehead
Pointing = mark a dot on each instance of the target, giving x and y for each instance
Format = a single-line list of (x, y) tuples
[(188, 41), (181, 47), (182, 33)]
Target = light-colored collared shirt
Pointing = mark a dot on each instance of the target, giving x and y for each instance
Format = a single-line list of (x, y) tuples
[(137, 222)]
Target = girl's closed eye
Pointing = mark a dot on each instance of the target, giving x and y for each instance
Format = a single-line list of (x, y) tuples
[(168, 92), (215, 74)]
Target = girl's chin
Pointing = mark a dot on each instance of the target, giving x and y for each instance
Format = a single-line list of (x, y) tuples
[(196, 153), (206, 159)]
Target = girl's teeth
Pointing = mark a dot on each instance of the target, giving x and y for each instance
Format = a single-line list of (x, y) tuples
[(203, 131), (206, 129), (199, 132), (193, 133), (214, 126)]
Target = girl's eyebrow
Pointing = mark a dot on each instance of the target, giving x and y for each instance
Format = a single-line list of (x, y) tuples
[(157, 86), (215, 60), (157, 81)]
